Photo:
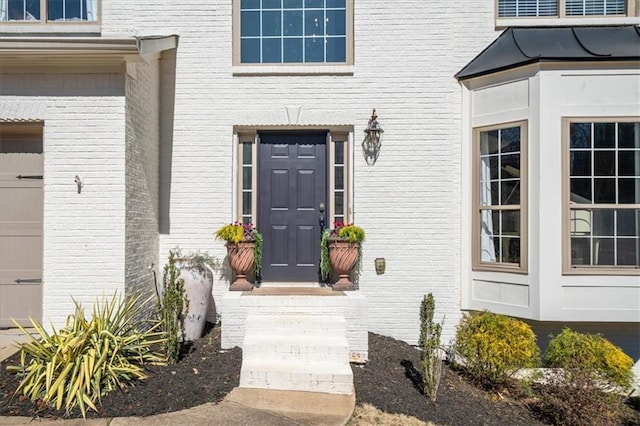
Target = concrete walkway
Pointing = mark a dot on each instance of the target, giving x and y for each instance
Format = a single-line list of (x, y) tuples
[(242, 406)]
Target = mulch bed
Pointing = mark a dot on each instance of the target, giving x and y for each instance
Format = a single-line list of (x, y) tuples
[(390, 381)]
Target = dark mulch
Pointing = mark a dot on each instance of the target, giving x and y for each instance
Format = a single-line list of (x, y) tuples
[(390, 381)]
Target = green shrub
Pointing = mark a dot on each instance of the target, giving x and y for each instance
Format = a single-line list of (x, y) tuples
[(590, 351), (88, 358), (495, 346), (430, 344), (172, 308)]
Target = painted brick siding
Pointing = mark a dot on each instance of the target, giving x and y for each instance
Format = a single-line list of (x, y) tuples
[(83, 233), (405, 57), (142, 173)]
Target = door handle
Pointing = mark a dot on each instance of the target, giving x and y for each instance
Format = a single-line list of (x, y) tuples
[(20, 177), (321, 208)]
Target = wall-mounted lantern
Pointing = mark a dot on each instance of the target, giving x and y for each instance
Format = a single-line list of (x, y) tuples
[(381, 265), (372, 140)]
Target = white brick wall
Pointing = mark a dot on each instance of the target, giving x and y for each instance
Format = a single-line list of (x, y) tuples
[(141, 175), (83, 135), (405, 58)]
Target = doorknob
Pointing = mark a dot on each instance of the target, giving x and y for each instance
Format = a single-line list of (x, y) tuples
[(321, 207)]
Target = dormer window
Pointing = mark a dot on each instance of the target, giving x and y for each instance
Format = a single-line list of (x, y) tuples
[(45, 11)]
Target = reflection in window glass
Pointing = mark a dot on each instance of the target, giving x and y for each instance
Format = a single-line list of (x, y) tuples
[(290, 31), (339, 180), (604, 199)]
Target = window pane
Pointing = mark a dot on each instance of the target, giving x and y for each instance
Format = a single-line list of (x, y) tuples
[(339, 177), (246, 203), (250, 51), (629, 191), (246, 153), (580, 163), (628, 251), (271, 4), (271, 23), (250, 4), (292, 4), (313, 3), (336, 22), (336, 49), (511, 222), (510, 139), (603, 251), (603, 223), (580, 135), (314, 49), (271, 50), (629, 163), (629, 135), (580, 191), (314, 22), (510, 192), (628, 222), (580, 251), (293, 23), (337, 4), (339, 153), (246, 177), (250, 24), (604, 190), (292, 50), (339, 202), (510, 166), (604, 163), (489, 142), (511, 250), (580, 222), (604, 135), (22, 10)]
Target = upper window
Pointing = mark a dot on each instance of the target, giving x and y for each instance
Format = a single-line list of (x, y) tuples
[(49, 10), (560, 8), (604, 194), (500, 198), (294, 31)]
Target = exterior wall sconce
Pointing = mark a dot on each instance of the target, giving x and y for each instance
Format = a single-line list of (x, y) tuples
[(381, 264), (372, 140)]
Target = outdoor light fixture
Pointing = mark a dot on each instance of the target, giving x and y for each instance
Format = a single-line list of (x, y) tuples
[(373, 140), (381, 264)]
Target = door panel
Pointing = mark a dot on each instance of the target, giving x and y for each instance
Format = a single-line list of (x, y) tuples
[(21, 212), (291, 185)]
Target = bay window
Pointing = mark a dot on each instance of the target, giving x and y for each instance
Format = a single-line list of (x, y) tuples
[(500, 197), (603, 196)]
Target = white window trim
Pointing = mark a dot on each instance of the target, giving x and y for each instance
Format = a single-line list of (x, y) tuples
[(476, 263), (567, 268), (292, 68)]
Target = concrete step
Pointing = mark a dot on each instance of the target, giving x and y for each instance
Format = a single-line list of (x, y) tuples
[(328, 377), (296, 348), (297, 324)]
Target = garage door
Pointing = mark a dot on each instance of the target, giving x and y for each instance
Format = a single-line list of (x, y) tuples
[(21, 204)]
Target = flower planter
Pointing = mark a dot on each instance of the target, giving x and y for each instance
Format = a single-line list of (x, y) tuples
[(198, 282), (241, 259), (343, 256)]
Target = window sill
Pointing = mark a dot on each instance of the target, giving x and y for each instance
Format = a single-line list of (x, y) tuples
[(496, 267), (502, 23), (38, 28), (595, 270), (287, 70)]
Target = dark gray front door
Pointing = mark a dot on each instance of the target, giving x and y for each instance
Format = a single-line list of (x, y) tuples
[(291, 186)]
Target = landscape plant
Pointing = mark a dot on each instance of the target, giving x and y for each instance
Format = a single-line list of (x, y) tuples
[(236, 232), (429, 343), (591, 352), (494, 347), (87, 358), (341, 231), (172, 308)]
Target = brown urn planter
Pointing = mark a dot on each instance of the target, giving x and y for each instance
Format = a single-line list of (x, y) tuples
[(241, 261), (343, 256)]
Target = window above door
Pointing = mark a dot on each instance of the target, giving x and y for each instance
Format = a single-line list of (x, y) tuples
[(304, 33)]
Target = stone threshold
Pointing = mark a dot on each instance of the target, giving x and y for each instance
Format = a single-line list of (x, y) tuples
[(292, 291)]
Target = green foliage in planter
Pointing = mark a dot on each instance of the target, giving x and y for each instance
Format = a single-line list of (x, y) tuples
[(348, 232), (172, 308), (592, 352), (84, 360), (429, 342), (494, 346), (234, 233)]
